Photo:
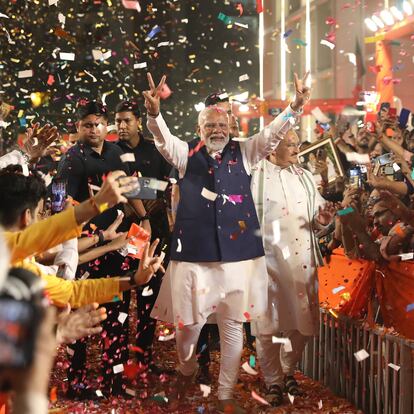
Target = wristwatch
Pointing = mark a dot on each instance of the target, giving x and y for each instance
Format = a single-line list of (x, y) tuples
[(146, 217)]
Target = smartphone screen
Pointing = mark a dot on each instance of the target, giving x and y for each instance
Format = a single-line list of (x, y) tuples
[(355, 178), (384, 159), (58, 195), (18, 326)]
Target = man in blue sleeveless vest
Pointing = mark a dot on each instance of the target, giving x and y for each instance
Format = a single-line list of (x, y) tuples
[(217, 265)]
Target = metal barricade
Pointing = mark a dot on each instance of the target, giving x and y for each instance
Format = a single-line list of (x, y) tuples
[(383, 383)]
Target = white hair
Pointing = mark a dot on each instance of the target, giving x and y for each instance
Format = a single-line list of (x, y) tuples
[(208, 109)]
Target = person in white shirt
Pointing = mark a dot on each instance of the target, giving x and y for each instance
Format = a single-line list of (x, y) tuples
[(288, 204), (217, 262)]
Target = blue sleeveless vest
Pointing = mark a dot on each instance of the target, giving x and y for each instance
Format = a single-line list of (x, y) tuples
[(224, 230)]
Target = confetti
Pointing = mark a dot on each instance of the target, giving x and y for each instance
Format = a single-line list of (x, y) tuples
[(394, 367), (285, 253), (25, 74), (361, 355), (345, 211), (147, 291), (122, 317), (249, 369), (118, 368), (338, 289), (131, 5), (325, 42), (252, 361), (224, 18), (299, 42), (291, 398), (99, 393), (287, 344), (209, 195), (154, 31), (287, 33), (141, 65), (259, 398), (406, 256), (128, 157), (410, 307), (205, 389), (320, 404), (243, 78), (163, 338), (66, 56), (179, 246)]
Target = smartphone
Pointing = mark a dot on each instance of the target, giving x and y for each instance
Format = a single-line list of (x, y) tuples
[(143, 191), (384, 159), (19, 321), (58, 195), (355, 180)]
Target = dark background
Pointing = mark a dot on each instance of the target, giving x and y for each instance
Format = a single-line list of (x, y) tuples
[(106, 24)]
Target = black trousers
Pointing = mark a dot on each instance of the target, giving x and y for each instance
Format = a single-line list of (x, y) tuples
[(114, 342)]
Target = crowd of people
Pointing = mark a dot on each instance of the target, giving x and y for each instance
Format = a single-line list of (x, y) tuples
[(218, 233)]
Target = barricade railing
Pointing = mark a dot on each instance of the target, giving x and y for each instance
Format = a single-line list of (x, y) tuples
[(383, 383)]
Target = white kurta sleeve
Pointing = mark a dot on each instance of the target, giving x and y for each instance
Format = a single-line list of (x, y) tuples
[(170, 147), (259, 146)]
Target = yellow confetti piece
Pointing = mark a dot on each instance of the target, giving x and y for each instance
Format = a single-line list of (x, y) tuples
[(374, 39), (103, 207), (334, 314)]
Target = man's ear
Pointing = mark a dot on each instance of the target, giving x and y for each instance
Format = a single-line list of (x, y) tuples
[(198, 131), (77, 124), (26, 218)]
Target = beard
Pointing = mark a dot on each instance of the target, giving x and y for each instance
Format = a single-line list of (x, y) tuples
[(216, 143)]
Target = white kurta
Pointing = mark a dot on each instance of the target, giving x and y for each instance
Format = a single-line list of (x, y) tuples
[(190, 292), (287, 201)]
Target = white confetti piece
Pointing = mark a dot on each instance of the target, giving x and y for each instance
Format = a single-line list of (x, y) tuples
[(84, 276), (276, 232), (128, 157), (161, 44), (209, 195), (328, 43), (122, 317), (61, 18), (179, 246), (351, 58), (67, 56), (396, 167), (147, 291), (394, 367), (287, 344), (205, 389), (140, 65), (320, 404), (240, 139), (99, 393), (291, 398), (320, 116), (406, 256), (25, 170), (249, 369), (357, 158), (4, 15), (70, 351), (337, 289), (53, 2), (118, 368), (166, 338), (25, 73), (361, 355), (257, 397), (190, 353), (245, 26), (285, 252), (130, 392), (243, 77)]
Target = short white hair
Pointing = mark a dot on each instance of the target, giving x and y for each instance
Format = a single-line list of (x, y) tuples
[(209, 109)]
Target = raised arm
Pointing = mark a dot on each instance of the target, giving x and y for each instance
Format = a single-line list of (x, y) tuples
[(259, 146), (171, 148)]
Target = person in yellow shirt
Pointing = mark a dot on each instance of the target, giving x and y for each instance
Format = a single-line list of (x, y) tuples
[(22, 200)]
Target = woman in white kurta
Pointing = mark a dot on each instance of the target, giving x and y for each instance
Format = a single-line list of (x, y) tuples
[(287, 202)]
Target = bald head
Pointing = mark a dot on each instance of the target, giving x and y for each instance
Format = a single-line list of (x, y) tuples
[(213, 127)]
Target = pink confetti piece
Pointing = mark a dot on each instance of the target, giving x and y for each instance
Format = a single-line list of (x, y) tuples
[(257, 397)]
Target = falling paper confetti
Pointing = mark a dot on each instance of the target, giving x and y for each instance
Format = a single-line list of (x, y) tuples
[(259, 398), (361, 355), (209, 195), (249, 369)]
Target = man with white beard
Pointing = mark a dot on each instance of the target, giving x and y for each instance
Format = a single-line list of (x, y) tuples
[(217, 261), (289, 207)]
